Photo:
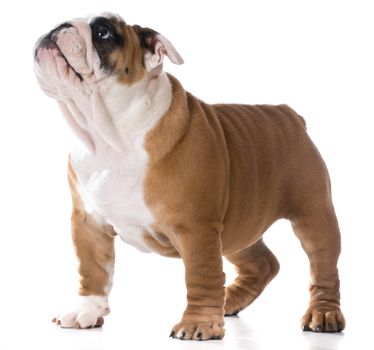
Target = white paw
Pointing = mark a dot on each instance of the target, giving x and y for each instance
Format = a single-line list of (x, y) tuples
[(88, 313)]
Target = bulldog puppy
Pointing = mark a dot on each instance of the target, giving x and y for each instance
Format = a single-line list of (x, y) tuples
[(171, 174)]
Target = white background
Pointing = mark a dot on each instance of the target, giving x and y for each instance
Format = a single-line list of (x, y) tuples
[(316, 56)]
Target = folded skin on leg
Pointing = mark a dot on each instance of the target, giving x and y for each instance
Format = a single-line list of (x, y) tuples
[(203, 317), (319, 235), (256, 267)]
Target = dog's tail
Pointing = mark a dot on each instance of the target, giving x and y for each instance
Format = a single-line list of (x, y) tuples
[(291, 112)]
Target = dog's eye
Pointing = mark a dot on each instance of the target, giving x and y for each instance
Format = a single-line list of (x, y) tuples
[(102, 32)]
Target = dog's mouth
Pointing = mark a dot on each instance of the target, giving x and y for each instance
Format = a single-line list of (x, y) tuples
[(51, 44)]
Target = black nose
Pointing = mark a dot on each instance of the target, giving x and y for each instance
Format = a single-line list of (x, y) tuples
[(49, 40), (58, 28)]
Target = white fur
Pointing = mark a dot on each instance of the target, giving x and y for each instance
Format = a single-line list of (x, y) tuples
[(86, 312), (111, 120), (109, 285), (111, 177)]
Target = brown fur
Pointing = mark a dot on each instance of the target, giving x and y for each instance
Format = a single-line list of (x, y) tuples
[(127, 61), (218, 177), (94, 245)]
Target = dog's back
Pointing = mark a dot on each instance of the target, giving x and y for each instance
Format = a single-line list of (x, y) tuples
[(280, 170)]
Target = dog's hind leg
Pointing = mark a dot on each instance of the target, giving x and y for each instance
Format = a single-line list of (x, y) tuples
[(256, 267), (318, 231)]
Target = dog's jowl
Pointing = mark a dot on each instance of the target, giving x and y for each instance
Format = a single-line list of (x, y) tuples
[(171, 174)]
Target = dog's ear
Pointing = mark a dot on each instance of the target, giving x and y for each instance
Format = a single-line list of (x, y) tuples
[(160, 46), (157, 46)]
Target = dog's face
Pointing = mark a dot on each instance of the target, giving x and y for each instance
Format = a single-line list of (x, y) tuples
[(83, 52)]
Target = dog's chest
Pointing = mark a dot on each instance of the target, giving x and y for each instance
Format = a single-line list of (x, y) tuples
[(111, 187)]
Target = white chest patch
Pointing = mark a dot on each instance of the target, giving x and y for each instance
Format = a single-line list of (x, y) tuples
[(112, 169), (111, 187)]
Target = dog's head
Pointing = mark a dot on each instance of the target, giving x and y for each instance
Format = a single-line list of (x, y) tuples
[(83, 52)]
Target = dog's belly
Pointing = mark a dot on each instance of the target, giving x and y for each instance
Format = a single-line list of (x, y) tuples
[(111, 188)]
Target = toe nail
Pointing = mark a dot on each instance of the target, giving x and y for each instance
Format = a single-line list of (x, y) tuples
[(306, 328), (172, 334), (182, 335), (340, 327), (318, 329), (330, 326), (99, 322), (200, 336)]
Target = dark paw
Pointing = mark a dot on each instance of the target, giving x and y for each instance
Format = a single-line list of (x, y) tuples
[(322, 320), (232, 314)]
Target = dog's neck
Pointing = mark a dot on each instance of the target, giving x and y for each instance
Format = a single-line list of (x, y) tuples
[(135, 109), (115, 115)]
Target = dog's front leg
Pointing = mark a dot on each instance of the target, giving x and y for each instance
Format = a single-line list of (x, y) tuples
[(202, 257), (94, 246)]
